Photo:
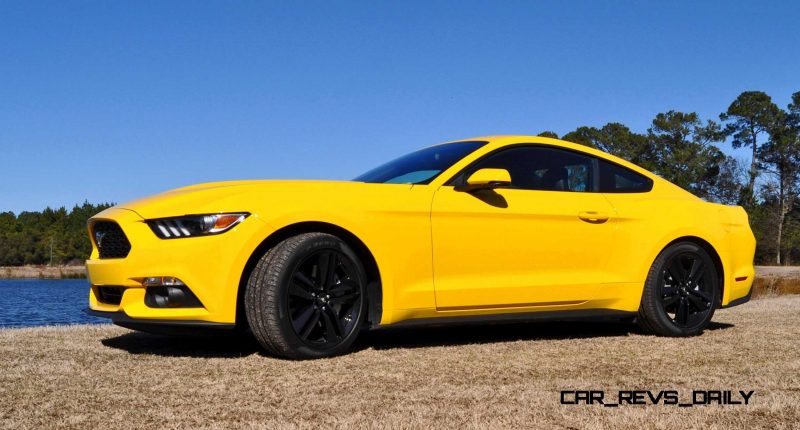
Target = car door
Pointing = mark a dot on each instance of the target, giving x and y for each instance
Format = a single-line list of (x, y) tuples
[(543, 241)]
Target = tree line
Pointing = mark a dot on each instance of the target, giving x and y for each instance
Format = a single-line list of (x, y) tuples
[(685, 149), (29, 238), (679, 146)]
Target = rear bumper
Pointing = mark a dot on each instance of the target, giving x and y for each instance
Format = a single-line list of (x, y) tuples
[(739, 301), (737, 257), (738, 284)]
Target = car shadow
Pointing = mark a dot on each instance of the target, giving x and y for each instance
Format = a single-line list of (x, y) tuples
[(452, 335), (490, 197), (241, 345), (463, 334), (207, 345)]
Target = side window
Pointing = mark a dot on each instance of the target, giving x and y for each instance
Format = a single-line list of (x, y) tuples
[(541, 168), (617, 179)]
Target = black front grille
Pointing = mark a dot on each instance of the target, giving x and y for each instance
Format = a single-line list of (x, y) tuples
[(110, 240), (109, 295)]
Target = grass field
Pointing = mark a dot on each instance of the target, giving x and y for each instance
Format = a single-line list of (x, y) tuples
[(105, 377)]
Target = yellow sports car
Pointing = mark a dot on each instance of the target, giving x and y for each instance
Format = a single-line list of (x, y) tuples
[(486, 228)]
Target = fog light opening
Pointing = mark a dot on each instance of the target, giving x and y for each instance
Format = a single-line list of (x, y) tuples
[(168, 292)]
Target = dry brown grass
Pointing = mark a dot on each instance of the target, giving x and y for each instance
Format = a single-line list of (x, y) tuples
[(776, 280), (106, 377), (775, 286)]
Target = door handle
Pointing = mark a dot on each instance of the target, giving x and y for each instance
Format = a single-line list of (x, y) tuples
[(593, 217)]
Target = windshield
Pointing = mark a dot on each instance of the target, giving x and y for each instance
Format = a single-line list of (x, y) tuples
[(422, 166)]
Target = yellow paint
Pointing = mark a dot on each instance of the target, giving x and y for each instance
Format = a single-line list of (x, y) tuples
[(489, 176), (440, 252)]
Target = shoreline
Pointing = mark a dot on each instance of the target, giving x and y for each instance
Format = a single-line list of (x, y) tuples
[(43, 272)]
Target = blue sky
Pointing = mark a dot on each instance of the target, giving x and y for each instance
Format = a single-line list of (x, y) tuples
[(112, 100)]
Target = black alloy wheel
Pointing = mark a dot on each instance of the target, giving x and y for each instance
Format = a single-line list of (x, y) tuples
[(306, 297), (681, 292), (686, 294), (324, 298)]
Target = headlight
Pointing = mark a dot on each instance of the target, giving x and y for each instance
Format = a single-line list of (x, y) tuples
[(195, 225)]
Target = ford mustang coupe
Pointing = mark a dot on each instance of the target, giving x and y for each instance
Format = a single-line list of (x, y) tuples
[(488, 228)]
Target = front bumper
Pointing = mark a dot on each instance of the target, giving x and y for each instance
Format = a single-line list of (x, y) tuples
[(159, 326), (210, 266)]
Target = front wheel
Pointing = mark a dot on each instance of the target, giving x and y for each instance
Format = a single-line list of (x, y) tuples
[(306, 297), (681, 292)]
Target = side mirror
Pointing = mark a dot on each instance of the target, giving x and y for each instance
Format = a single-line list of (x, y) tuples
[(487, 179)]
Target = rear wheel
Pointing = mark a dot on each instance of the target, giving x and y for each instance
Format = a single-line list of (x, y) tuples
[(306, 297), (681, 292)]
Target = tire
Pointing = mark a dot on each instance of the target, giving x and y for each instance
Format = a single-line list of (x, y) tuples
[(306, 297), (681, 292)]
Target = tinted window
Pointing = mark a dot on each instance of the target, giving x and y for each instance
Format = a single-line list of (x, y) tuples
[(422, 166), (617, 179), (541, 168)]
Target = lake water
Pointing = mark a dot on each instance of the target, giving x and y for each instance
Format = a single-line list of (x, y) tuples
[(36, 302)]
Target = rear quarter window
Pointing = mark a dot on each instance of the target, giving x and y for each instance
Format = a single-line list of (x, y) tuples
[(617, 179)]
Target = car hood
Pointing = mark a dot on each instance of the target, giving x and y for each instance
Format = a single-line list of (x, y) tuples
[(237, 196)]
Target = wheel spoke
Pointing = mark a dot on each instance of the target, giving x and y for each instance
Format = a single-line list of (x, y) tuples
[(301, 320), (304, 280), (341, 289), (312, 322), (337, 323), (322, 270), (346, 298), (696, 302), (701, 294), (677, 271), (333, 262), (298, 290), (326, 266), (669, 301), (696, 270), (331, 326), (683, 312)]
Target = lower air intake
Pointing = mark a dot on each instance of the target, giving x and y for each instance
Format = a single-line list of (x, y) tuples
[(109, 295)]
